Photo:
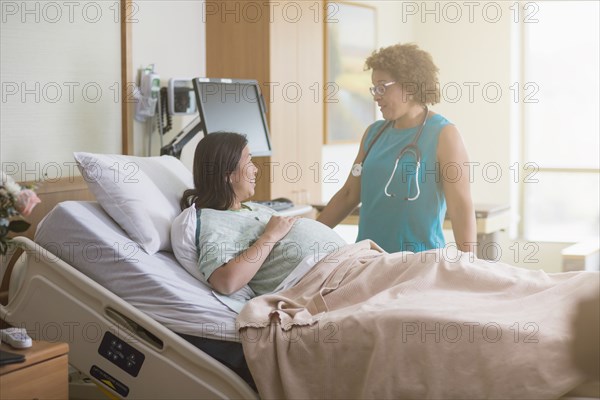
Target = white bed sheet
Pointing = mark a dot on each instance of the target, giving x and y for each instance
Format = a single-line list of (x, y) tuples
[(83, 235)]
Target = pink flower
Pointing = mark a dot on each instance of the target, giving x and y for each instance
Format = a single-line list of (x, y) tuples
[(26, 201)]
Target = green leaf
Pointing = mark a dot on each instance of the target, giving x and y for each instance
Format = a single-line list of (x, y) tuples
[(18, 226)]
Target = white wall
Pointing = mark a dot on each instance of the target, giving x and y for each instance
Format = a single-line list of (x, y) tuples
[(170, 35), (60, 76), (475, 54)]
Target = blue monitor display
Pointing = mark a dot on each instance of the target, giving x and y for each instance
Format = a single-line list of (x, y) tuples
[(234, 105)]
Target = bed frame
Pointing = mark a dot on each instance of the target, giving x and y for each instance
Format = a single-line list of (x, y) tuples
[(124, 351), (56, 302)]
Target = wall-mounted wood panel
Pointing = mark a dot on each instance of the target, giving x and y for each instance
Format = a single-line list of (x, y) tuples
[(283, 50), (127, 81), (237, 47)]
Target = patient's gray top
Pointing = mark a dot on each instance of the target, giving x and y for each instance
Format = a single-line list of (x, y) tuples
[(222, 235)]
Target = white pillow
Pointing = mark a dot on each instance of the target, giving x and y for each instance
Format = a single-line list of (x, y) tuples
[(141, 194), (183, 239)]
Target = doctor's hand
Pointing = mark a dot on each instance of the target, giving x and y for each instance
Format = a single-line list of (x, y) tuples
[(278, 226)]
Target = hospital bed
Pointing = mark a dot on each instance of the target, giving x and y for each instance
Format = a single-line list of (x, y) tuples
[(138, 324), (124, 337), (58, 291)]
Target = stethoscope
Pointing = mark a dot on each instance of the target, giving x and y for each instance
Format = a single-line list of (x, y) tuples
[(412, 147)]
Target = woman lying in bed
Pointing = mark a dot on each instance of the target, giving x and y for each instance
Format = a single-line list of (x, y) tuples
[(362, 323), (246, 243)]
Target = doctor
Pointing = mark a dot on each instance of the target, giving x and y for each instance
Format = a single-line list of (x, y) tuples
[(411, 166)]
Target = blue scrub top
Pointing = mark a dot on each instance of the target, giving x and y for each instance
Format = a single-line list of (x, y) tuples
[(394, 223)]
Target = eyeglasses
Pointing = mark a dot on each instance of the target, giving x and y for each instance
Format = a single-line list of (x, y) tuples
[(380, 89)]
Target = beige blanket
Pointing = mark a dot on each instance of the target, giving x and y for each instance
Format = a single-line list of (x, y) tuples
[(366, 324)]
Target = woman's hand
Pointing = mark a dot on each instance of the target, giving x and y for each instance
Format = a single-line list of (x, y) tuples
[(239, 271), (278, 226)]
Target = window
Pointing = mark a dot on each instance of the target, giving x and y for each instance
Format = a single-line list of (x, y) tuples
[(561, 121)]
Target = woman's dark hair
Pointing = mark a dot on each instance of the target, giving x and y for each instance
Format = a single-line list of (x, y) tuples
[(217, 156)]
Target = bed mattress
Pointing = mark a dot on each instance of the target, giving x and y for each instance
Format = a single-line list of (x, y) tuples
[(84, 236)]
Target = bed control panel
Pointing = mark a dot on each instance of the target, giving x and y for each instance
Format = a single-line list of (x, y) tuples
[(121, 354)]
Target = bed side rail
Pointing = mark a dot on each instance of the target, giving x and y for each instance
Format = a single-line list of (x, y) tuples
[(55, 302)]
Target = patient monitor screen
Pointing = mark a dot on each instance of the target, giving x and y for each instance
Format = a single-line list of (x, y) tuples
[(234, 106)]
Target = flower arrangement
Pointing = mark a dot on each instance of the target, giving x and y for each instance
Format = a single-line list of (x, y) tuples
[(15, 203)]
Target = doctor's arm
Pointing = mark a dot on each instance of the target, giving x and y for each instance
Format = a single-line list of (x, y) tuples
[(455, 174), (346, 199)]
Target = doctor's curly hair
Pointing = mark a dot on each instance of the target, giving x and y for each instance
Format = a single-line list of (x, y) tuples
[(411, 67)]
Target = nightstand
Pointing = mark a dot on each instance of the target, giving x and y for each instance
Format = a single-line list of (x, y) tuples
[(43, 374)]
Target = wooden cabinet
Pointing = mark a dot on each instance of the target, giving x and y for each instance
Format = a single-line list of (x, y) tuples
[(43, 374), (280, 44)]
